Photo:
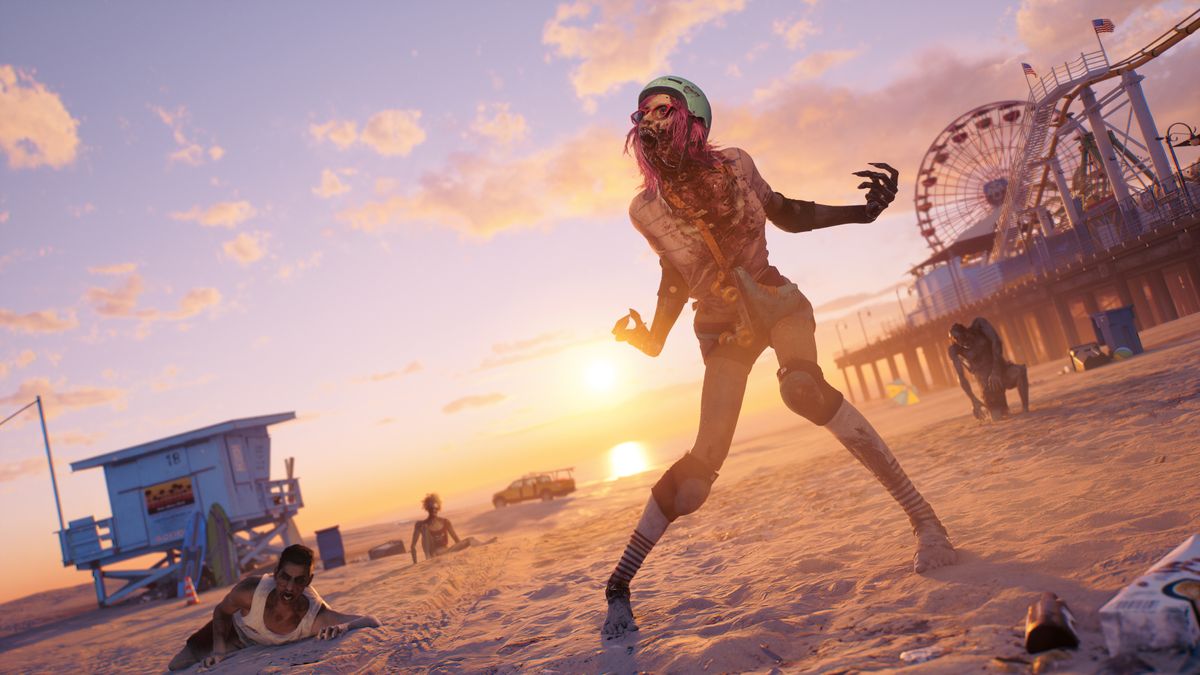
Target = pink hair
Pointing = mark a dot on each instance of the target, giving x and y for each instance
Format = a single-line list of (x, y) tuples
[(688, 140)]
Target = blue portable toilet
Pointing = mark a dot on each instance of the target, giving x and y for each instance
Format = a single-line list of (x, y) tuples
[(1115, 328), (329, 543), (155, 489)]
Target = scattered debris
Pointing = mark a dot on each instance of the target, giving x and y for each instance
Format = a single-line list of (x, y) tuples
[(1049, 624), (921, 655), (1157, 610)]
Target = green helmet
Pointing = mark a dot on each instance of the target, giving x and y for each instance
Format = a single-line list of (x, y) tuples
[(696, 101)]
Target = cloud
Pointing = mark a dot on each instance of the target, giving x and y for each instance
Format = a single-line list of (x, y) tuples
[(117, 302), (168, 380), (458, 405), (412, 367), (116, 270), (808, 68), (628, 42), (289, 270), (342, 133), (26, 357), (43, 321), (10, 471), (391, 133), (195, 301), (187, 151), (848, 301), (540, 346), (121, 302), (81, 211), (394, 132), (246, 248), (331, 185), (221, 214), (56, 399), (35, 128), (73, 438), (478, 195), (1057, 30), (794, 32), (496, 122)]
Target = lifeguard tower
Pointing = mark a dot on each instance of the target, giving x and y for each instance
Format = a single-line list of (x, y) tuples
[(199, 499)]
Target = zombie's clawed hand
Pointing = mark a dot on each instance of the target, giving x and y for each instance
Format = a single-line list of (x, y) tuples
[(639, 336), (881, 189)]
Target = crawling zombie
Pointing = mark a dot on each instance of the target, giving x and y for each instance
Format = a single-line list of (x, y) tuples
[(979, 349), (704, 213)]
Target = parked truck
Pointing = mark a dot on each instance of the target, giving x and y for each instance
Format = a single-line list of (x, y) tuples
[(543, 485)]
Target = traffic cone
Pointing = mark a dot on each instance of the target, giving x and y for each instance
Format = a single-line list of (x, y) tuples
[(189, 592)]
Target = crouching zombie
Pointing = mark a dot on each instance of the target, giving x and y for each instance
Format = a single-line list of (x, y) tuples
[(704, 213), (979, 349)]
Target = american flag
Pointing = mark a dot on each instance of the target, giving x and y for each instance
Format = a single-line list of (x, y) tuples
[(1103, 26), (1028, 69)]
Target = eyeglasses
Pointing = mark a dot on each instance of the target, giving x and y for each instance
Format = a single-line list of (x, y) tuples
[(657, 113)]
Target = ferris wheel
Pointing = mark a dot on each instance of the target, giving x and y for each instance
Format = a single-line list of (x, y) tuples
[(964, 174)]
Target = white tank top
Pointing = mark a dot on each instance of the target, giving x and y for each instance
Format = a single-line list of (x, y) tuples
[(253, 628)]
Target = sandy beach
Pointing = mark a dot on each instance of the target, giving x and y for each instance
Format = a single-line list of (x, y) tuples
[(799, 562)]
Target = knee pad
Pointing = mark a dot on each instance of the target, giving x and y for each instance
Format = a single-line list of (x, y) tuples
[(806, 393), (684, 487)]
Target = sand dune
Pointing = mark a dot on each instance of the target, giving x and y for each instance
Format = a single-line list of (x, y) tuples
[(799, 562)]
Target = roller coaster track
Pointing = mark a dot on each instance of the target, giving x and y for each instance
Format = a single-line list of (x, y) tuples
[(1144, 55), (1047, 114)]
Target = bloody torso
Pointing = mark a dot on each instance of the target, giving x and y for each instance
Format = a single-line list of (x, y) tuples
[(729, 200)]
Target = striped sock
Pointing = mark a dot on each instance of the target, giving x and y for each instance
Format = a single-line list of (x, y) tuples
[(647, 533), (631, 561), (861, 439)]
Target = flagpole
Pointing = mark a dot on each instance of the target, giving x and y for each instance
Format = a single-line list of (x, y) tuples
[(1101, 43), (50, 461)]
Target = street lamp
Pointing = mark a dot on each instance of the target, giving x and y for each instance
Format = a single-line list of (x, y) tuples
[(1192, 140), (903, 314), (837, 326), (863, 326)]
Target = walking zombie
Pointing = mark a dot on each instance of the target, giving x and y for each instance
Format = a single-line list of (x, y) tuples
[(704, 212), (979, 349)]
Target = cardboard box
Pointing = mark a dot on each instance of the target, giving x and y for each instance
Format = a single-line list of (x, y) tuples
[(1159, 609)]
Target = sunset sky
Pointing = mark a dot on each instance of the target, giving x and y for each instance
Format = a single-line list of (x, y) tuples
[(407, 222)]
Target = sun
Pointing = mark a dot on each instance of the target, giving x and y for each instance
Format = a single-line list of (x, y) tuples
[(627, 459), (600, 376)]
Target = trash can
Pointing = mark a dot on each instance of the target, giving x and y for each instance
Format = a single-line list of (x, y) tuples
[(1115, 329), (329, 542)]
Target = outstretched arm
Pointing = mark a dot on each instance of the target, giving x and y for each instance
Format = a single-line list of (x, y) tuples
[(238, 599), (330, 624), (415, 539), (956, 359), (794, 215), (672, 296)]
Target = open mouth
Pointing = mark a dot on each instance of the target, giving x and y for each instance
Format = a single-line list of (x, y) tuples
[(648, 138), (288, 596)]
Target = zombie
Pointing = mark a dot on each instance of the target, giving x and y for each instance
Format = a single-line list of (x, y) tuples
[(703, 210), (980, 350), (435, 532), (272, 609)]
